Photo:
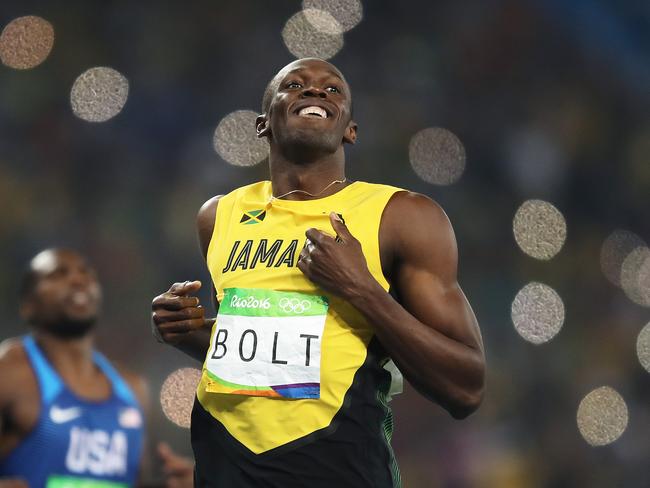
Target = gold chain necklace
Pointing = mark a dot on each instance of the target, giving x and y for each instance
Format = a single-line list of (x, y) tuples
[(273, 197)]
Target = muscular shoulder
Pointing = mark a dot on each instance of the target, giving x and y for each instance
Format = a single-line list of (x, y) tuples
[(412, 217), (15, 370), (205, 222), (415, 233)]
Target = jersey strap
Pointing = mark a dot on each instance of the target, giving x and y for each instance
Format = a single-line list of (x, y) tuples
[(121, 389), (48, 380)]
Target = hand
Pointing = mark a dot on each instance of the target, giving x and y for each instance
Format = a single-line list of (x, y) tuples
[(178, 470), (13, 483), (176, 313), (335, 264)]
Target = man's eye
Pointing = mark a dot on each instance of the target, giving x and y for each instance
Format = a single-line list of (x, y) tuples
[(333, 89), (293, 84)]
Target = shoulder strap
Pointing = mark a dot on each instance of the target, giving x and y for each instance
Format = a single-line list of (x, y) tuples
[(120, 387), (49, 381)]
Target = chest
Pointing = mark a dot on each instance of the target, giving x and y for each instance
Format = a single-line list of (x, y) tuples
[(264, 246), (81, 438)]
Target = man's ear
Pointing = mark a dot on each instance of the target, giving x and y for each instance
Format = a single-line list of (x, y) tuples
[(350, 134), (262, 126), (26, 311)]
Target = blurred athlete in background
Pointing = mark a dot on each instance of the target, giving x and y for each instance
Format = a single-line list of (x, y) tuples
[(68, 418)]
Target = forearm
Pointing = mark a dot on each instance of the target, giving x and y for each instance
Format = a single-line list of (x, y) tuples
[(442, 368), (195, 344)]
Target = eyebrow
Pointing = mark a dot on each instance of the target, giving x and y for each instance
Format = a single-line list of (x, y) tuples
[(330, 71)]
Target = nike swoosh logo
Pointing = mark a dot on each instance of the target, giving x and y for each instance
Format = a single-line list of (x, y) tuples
[(62, 415)]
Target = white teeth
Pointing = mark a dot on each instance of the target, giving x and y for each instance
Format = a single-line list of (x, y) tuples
[(80, 298), (313, 110)]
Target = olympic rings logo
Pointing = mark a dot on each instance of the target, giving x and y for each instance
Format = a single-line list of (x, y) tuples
[(294, 305)]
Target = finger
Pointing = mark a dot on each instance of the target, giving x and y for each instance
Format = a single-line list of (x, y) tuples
[(173, 464), (174, 302), (315, 256), (309, 246), (184, 288), (304, 253), (318, 237), (303, 265), (164, 315), (181, 326), (339, 227), (172, 337), (167, 454), (164, 451)]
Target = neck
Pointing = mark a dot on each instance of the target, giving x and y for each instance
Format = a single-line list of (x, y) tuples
[(307, 175), (67, 354)]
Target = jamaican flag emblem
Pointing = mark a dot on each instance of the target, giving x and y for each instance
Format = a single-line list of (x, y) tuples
[(253, 217)]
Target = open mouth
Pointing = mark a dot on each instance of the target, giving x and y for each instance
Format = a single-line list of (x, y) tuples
[(313, 112), (80, 299)]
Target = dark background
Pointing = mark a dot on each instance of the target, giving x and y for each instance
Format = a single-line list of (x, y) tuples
[(571, 76)]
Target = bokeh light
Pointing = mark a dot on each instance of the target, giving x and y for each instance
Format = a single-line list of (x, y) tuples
[(323, 21), (539, 229), (602, 416), (635, 276), (304, 40), (99, 94), (348, 13), (643, 347), (236, 141), (177, 395), (537, 313), (618, 245), (26, 42), (437, 156)]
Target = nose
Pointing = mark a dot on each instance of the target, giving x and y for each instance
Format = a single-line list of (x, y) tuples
[(79, 277), (312, 91)]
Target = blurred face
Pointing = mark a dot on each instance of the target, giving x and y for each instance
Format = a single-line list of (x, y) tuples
[(66, 295), (310, 108)]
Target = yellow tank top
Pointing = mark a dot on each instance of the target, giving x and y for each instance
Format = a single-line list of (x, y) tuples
[(255, 246)]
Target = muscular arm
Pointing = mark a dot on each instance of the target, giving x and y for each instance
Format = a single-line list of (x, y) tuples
[(430, 331), (177, 469), (5, 393), (200, 342), (140, 389), (13, 383), (178, 318)]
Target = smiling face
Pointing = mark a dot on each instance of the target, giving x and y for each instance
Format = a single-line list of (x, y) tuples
[(308, 105), (63, 295)]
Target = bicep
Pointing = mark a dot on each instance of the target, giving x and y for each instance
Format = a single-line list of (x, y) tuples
[(10, 380), (425, 272), (437, 303)]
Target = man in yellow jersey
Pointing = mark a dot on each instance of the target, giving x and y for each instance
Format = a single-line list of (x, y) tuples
[(293, 391)]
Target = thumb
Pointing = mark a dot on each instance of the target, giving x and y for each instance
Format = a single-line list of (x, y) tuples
[(339, 227), (164, 452), (173, 464), (185, 288)]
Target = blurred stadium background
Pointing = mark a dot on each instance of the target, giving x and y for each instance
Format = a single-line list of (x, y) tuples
[(527, 120)]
